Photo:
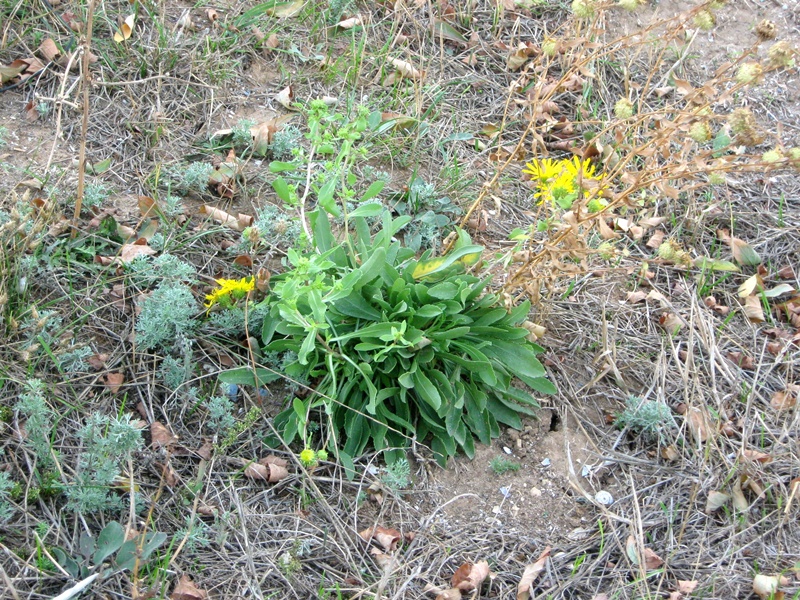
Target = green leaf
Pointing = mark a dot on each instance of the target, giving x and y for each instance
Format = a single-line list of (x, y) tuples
[(713, 264), (282, 189), (277, 166), (426, 390), (372, 209), (372, 191), (444, 291), (430, 267), (518, 359), (109, 541), (246, 376), (356, 306), (325, 198)]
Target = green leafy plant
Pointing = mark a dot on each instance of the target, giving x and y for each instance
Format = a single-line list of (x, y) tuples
[(397, 476), (653, 421), (108, 547), (6, 488), (107, 442), (168, 314), (397, 347)]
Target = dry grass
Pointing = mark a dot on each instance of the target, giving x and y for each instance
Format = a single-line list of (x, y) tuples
[(156, 100)]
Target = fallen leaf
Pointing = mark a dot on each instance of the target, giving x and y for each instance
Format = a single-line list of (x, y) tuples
[(686, 587), (750, 286), (743, 252), (670, 453), (186, 590), (470, 576), (239, 223), (97, 361), (114, 382), (530, 574), (636, 297), (652, 561), (382, 559), (125, 30), (753, 310), (127, 253), (757, 456), (778, 290), (285, 97), (740, 503), (212, 15), (49, 50), (351, 22), (277, 468), (285, 10), (783, 400), (656, 239), (698, 421), (406, 69), (387, 538), (160, 436), (742, 360), (716, 500), (670, 322)]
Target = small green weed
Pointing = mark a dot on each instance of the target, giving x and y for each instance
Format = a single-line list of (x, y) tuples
[(500, 465)]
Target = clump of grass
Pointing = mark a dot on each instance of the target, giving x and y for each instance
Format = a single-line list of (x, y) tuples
[(651, 420), (501, 465)]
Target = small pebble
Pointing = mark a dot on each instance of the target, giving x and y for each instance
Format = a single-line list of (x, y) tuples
[(546, 462), (586, 470), (505, 491), (506, 449), (536, 492), (496, 510)]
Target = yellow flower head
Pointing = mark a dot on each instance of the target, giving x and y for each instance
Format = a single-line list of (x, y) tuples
[(308, 457), (559, 181), (229, 291)]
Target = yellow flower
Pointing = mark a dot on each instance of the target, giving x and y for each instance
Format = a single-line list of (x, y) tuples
[(229, 291), (558, 180), (308, 457)]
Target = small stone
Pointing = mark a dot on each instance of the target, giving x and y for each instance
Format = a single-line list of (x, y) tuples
[(506, 449), (536, 492), (546, 462), (519, 443), (496, 510)]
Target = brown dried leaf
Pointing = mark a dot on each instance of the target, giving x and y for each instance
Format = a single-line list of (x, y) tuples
[(636, 297), (699, 423), (387, 538), (470, 576), (49, 50), (753, 310), (686, 587), (742, 360), (125, 30), (351, 22), (257, 471), (285, 97), (382, 559), (126, 254), (783, 400), (656, 239), (652, 561), (670, 322), (239, 223), (277, 468), (114, 382), (530, 574), (160, 436), (406, 69), (186, 590)]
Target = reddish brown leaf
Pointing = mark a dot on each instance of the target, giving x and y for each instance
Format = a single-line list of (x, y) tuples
[(387, 538), (652, 561), (740, 359), (114, 381), (530, 574), (469, 576), (187, 590), (160, 436), (783, 400)]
